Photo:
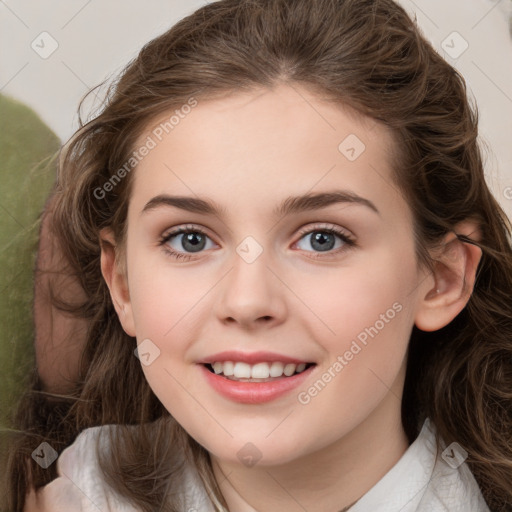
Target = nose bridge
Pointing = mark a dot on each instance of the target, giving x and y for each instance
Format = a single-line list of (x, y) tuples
[(250, 291)]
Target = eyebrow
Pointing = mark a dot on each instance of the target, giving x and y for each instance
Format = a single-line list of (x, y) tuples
[(289, 206)]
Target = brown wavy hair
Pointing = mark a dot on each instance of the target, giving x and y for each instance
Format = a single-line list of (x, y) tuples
[(367, 54)]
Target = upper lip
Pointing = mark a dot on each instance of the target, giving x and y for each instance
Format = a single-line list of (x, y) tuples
[(250, 357)]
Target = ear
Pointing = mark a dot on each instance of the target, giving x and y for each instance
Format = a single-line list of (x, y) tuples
[(116, 278), (454, 276)]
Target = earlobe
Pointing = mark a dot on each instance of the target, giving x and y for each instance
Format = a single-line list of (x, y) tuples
[(456, 264), (116, 281)]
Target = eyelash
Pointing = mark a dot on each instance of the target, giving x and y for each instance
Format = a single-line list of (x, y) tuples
[(347, 240)]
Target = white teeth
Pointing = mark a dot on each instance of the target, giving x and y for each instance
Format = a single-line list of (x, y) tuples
[(276, 370), (229, 368), (239, 370), (260, 371), (289, 369), (242, 370)]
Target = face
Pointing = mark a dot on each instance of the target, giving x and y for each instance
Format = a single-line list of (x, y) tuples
[(258, 283)]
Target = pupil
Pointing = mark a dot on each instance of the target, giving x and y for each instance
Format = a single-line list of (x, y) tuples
[(195, 239), (323, 240)]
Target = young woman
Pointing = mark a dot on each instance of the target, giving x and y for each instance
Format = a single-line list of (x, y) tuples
[(296, 281)]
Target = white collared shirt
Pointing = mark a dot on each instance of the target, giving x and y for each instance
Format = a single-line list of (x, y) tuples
[(418, 482)]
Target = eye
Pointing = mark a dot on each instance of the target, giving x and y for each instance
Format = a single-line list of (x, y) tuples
[(323, 239), (189, 238), (182, 243)]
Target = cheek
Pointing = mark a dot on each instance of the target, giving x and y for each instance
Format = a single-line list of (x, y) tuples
[(367, 318), (163, 297), (369, 296)]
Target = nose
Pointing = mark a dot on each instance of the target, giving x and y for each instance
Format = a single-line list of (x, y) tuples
[(251, 295)]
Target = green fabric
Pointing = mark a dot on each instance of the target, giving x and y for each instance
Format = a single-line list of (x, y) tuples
[(27, 173)]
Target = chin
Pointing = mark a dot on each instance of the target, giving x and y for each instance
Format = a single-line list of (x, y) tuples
[(261, 453)]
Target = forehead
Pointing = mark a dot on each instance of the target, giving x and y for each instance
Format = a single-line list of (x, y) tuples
[(252, 149)]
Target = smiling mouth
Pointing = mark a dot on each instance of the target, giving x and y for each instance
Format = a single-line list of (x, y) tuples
[(259, 372)]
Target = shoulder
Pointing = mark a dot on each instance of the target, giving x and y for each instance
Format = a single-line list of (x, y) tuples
[(80, 485), (425, 480)]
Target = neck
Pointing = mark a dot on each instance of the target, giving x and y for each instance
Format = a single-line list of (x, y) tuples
[(331, 479)]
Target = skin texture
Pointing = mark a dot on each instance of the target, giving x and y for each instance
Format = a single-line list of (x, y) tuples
[(248, 152)]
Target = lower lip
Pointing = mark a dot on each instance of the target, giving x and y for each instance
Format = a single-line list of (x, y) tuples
[(254, 392)]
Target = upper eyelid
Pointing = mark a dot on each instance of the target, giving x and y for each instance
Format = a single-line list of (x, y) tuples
[(319, 226)]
